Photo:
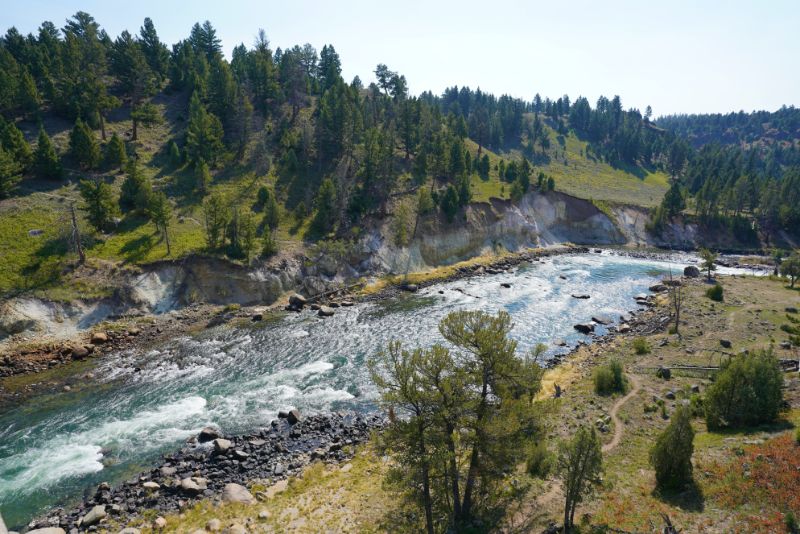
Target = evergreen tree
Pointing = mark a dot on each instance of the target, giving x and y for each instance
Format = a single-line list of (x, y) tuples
[(100, 204), (136, 190), (159, 211), (14, 143), (203, 134), (45, 159), (271, 211), (580, 464), (29, 99), (83, 146), (202, 178), (217, 216), (175, 154), (269, 246), (144, 114), (9, 173), (790, 267), (671, 456), (155, 52), (450, 203), (325, 204), (115, 156)]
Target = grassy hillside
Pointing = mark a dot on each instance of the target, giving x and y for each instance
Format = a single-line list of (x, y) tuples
[(35, 261)]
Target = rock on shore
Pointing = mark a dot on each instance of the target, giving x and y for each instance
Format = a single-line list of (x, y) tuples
[(221, 469)]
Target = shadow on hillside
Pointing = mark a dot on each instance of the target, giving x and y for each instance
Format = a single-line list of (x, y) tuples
[(136, 250), (691, 499)]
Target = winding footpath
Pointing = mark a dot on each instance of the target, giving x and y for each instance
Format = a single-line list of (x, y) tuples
[(618, 426)]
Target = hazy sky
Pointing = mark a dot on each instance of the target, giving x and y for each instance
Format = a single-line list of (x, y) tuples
[(678, 56)]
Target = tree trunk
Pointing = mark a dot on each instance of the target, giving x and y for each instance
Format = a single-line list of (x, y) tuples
[(451, 447), (426, 483), (102, 126), (135, 132), (472, 473), (166, 238)]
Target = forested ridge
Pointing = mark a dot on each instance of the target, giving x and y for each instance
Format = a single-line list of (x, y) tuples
[(337, 151)]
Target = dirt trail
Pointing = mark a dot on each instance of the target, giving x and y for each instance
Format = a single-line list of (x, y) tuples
[(618, 428)]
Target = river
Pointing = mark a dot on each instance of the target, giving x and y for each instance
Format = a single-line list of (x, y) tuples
[(138, 406)]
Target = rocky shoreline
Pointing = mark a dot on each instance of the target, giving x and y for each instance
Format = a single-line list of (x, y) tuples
[(217, 467)]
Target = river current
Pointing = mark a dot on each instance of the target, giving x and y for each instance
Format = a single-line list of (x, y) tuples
[(138, 406)]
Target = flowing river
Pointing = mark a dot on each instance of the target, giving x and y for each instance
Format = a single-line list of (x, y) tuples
[(141, 405)]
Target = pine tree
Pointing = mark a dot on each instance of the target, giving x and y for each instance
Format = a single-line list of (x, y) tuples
[(203, 134), (325, 203), (580, 464), (115, 156), (14, 143), (160, 212), (175, 154), (99, 202), (9, 173), (217, 215), (29, 99), (45, 159), (136, 189), (271, 211), (83, 146), (202, 178), (671, 456)]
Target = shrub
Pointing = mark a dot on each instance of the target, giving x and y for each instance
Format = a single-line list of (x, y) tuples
[(539, 462), (671, 456), (715, 293), (641, 346), (746, 392), (696, 405), (791, 522), (797, 435), (609, 378)]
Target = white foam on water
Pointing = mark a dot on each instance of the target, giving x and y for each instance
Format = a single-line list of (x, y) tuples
[(79, 453)]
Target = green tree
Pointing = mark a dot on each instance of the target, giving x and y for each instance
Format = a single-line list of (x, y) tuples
[(13, 141), (10, 173), (203, 134), (580, 465), (269, 245), (160, 213), (115, 155), (746, 392), (450, 203), (671, 456), (272, 215), (145, 114), (83, 145), (45, 159), (99, 203), (136, 189), (175, 157), (325, 204), (708, 258), (791, 267), (29, 98), (424, 201), (202, 178), (217, 216)]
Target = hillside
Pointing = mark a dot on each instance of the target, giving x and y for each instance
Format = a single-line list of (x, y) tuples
[(269, 125)]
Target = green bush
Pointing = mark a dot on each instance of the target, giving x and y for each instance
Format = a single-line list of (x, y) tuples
[(715, 293), (671, 456), (791, 522), (609, 378), (641, 346), (539, 460), (746, 391), (696, 405)]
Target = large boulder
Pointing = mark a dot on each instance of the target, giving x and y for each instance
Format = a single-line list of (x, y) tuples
[(48, 530), (325, 311), (293, 416), (582, 296), (94, 516), (584, 328), (208, 434), (236, 493), (194, 485), (691, 271), (98, 338), (297, 301), (222, 445)]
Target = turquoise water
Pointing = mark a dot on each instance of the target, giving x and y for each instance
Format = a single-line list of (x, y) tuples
[(139, 406)]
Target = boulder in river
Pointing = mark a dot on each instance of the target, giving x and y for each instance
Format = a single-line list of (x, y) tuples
[(293, 416), (584, 328), (208, 434), (691, 271), (505, 285), (602, 319), (582, 296), (325, 311), (297, 301), (80, 352), (237, 493), (658, 288), (411, 288)]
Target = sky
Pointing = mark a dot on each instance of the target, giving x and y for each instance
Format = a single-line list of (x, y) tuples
[(700, 56)]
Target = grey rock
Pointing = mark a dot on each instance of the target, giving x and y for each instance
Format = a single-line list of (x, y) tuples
[(208, 434), (581, 296), (670, 395), (49, 530), (584, 328), (222, 445), (130, 530), (237, 493), (297, 301), (293, 416), (94, 516), (325, 311)]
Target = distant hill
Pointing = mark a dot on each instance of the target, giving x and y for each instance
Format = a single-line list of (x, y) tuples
[(745, 129)]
